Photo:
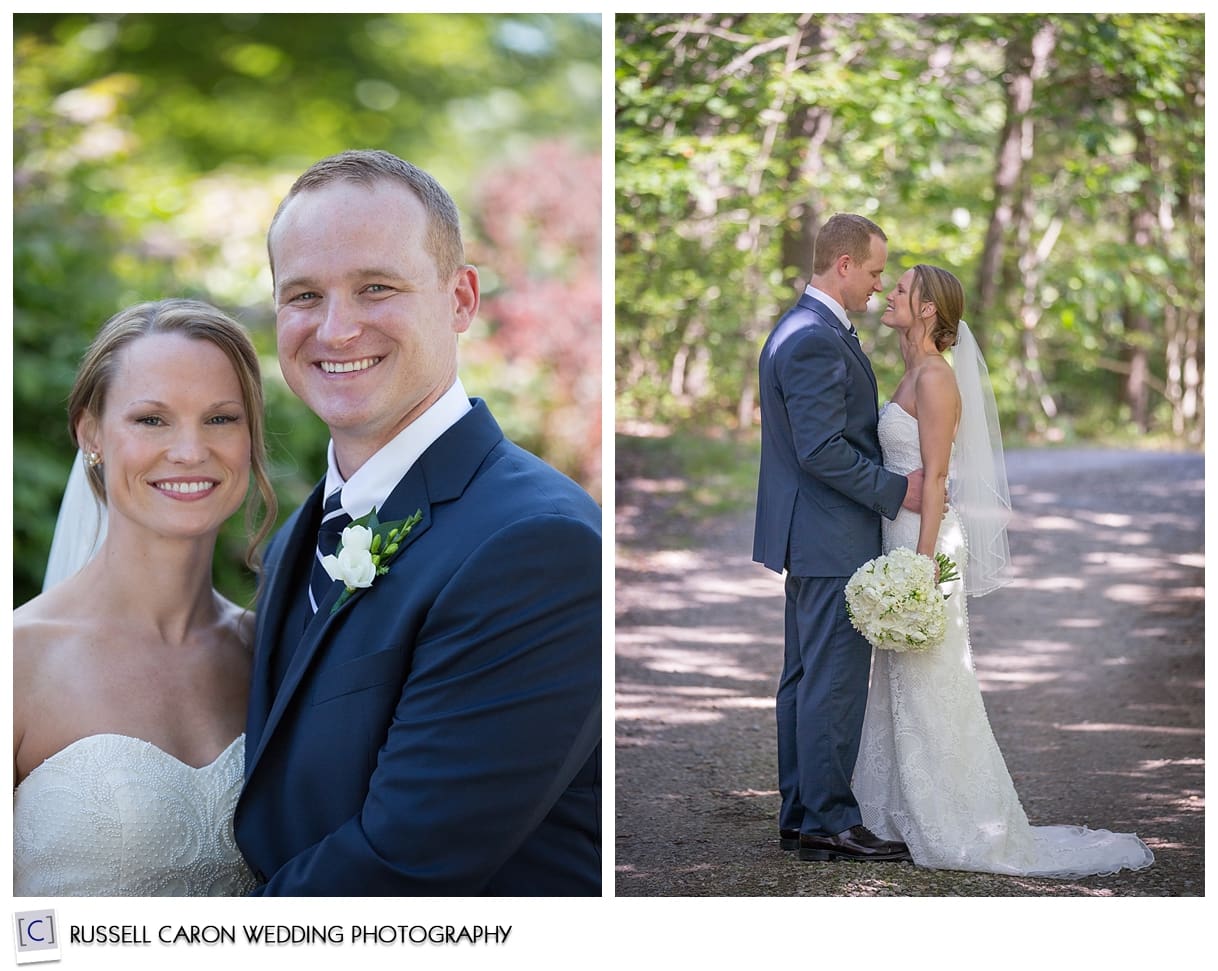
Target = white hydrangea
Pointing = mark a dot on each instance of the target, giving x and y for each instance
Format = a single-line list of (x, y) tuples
[(894, 603)]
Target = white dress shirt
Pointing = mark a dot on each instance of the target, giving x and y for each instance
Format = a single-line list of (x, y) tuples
[(832, 304), (372, 482)]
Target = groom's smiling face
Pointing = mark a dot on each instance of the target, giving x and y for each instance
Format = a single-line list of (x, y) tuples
[(366, 324)]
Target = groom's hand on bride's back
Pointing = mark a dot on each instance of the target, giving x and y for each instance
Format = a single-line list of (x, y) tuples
[(913, 493)]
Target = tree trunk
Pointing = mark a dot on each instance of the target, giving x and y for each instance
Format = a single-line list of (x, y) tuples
[(1026, 61), (807, 127), (1143, 239), (1187, 350), (1031, 268)]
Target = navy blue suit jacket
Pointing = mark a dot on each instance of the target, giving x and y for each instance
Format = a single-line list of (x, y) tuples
[(822, 486), (440, 733)]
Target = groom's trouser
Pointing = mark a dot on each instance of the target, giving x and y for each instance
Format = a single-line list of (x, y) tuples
[(822, 696)]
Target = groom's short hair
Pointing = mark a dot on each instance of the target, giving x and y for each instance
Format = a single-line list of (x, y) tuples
[(367, 167), (845, 234)]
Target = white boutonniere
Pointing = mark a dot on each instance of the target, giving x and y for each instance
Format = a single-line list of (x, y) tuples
[(365, 550)]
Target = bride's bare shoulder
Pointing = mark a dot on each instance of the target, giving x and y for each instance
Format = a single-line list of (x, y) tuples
[(936, 379), (47, 613), (47, 627), (51, 635)]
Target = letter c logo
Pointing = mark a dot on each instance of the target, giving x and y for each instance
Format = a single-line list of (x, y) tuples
[(29, 931)]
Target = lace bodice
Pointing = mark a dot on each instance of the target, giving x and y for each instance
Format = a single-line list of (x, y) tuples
[(899, 442), (899, 439), (112, 815)]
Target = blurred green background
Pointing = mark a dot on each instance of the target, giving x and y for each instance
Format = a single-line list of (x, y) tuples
[(150, 152), (1054, 162)]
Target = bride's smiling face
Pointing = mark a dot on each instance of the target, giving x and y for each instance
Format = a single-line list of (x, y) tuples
[(173, 436), (899, 311)]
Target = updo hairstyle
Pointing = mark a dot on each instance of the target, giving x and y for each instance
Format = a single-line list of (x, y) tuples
[(935, 285)]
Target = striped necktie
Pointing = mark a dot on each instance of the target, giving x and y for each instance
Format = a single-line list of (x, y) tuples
[(333, 521)]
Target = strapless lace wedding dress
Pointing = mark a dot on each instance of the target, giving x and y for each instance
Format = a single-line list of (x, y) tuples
[(115, 816), (929, 771)]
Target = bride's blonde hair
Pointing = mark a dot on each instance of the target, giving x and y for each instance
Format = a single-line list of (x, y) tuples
[(935, 285), (198, 321)]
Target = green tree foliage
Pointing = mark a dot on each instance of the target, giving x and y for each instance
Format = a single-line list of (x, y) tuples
[(151, 150), (1054, 162)]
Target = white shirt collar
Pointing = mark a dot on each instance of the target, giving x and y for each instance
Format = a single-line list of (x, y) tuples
[(372, 482), (829, 302)]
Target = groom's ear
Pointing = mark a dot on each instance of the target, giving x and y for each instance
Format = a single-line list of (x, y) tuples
[(465, 297)]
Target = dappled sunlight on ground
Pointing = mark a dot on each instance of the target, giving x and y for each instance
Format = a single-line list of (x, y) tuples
[(713, 589), (1055, 523), (1119, 562), (1014, 680), (1050, 584), (658, 486), (1145, 593), (645, 636), (671, 659), (1141, 729), (1090, 664), (1157, 764), (643, 703), (1110, 520)]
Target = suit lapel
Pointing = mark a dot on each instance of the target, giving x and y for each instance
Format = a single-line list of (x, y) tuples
[(856, 348), (852, 343), (279, 600), (441, 474), (455, 457), (276, 608), (319, 627)]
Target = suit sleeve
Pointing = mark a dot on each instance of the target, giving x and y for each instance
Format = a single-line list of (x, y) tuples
[(500, 710), (815, 379)]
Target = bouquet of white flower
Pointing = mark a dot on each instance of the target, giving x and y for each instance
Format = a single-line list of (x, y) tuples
[(893, 600)]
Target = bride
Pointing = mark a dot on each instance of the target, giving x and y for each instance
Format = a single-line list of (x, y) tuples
[(130, 676), (929, 771)]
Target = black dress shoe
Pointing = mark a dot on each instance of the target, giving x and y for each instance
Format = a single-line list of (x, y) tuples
[(788, 839), (857, 843)]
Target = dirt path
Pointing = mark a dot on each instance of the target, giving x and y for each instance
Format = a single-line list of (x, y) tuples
[(1091, 664)]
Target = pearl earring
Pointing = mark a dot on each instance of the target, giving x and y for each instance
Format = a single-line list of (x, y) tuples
[(93, 459)]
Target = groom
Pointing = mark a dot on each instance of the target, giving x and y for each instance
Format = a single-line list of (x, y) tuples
[(437, 732), (821, 492)]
